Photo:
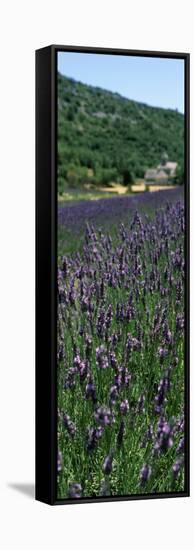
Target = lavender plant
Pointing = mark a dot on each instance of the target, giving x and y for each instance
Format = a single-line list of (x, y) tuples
[(121, 356)]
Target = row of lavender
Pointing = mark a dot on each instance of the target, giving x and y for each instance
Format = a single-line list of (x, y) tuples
[(113, 209), (121, 360)]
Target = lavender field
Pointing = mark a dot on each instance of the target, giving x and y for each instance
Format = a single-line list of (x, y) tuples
[(121, 346)]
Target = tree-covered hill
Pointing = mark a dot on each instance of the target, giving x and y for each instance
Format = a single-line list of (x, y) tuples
[(104, 137)]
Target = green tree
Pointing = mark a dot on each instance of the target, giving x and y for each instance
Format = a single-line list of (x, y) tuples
[(179, 177)]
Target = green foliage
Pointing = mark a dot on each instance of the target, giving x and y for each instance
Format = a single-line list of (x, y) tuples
[(118, 139), (179, 178)]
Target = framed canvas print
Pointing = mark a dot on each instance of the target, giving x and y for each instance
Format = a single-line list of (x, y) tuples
[(112, 274)]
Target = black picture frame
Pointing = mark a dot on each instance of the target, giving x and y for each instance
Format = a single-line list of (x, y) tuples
[(46, 270)]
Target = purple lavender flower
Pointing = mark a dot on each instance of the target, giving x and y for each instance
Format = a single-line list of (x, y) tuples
[(113, 359), (122, 378), (159, 399), (60, 351), (101, 358), (101, 325), (64, 266), (132, 343), (69, 425), (113, 394), (91, 392), (180, 322), (77, 361), (167, 335), (180, 424), (109, 316), (162, 389), (176, 468), (80, 366), (93, 435), (72, 295), (162, 352), (181, 446), (145, 473), (107, 465), (59, 461), (164, 439), (75, 490), (83, 370), (103, 416), (124, 406), (88, 344), (141, 404), (150, 432), (70, 377)]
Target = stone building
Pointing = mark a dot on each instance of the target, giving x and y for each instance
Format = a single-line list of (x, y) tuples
[(163, 174)]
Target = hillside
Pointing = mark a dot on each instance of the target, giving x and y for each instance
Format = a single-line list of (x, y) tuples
[(104, 137)]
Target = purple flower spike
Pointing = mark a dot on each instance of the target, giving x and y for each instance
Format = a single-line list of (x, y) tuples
[(113, 394), (180, 448), (88, 344), (176, 468), (141, 404), (162, 352), (145, 473), (107, 465), (124, 406), (102, 361), (113, 360), (104, 416), (69, 425), (59, 461), (91, 392), (164, 439), (132, 343), (166, 429), (93, 435), (75, 490)]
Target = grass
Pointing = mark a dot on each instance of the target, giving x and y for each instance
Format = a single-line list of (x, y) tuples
[(74, 195)]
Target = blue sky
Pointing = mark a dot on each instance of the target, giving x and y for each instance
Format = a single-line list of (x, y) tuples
[(155, 81)]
